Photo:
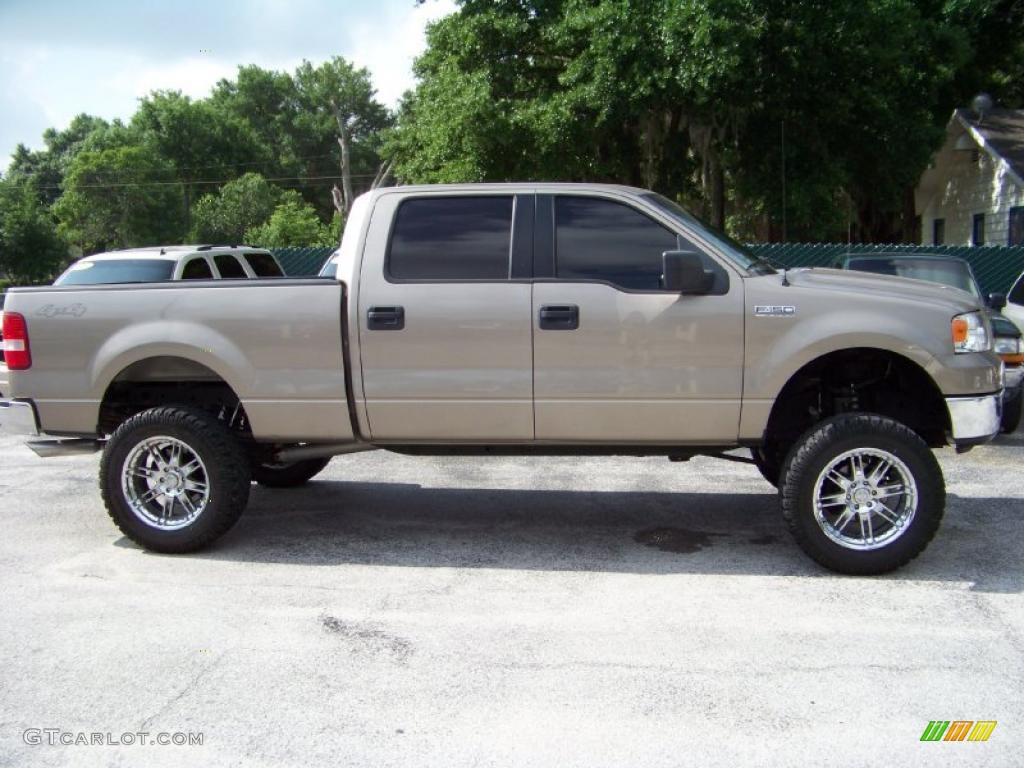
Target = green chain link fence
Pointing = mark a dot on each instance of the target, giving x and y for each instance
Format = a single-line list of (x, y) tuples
[(996, 267)]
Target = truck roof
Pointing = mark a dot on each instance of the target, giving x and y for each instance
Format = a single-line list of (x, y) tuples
[(515, 186)]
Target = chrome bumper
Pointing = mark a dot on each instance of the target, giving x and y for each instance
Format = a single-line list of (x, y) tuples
[(1013, 376), (975, 419), (18, 418)]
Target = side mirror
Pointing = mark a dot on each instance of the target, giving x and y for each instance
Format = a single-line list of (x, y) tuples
[(997, 301), (683, 272)]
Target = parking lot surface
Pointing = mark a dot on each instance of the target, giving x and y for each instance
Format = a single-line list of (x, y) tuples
[(507, 611)]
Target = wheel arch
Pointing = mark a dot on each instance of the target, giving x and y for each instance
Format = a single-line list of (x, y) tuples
[(859, 379), (161, 378)]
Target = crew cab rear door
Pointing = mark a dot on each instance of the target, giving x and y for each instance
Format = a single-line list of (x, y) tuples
[(617, 358), (444, 318)]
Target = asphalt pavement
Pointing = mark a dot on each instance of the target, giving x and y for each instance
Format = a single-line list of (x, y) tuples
[(403, 611)]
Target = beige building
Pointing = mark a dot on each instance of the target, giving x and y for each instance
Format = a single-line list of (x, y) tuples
[(973, 192)]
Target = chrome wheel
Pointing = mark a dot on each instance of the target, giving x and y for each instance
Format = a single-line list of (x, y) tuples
[(165, 483), (865, 499)]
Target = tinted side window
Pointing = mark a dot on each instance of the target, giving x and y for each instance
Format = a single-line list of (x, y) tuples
[(599, 239), (197, 269), (263, 265), (452, 238), (228, 266)]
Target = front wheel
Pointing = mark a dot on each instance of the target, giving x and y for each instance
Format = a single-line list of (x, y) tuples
[(287, 475), (862, 494), (174, 479)]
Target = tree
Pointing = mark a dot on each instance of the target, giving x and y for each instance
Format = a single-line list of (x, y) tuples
[(120, 197), (30, 248), (336, 98), (691, 98), (240, 205), (46, 168), (199, 142), (293, 223)]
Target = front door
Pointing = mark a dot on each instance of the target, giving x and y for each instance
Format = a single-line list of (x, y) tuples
[(444, 326), (616, 358)]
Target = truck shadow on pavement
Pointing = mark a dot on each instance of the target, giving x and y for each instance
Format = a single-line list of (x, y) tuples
[(404, 524)]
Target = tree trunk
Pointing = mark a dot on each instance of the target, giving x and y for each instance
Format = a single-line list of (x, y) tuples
[(910, 226), (717, 173), (344, 142), (383, 174)]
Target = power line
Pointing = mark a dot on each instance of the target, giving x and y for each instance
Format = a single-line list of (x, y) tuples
[(298, 180)]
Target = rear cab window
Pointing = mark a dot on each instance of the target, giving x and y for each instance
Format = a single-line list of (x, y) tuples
[(117, 271), (451, 238)]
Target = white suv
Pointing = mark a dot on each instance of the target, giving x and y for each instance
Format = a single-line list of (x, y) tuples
[(172, 262)]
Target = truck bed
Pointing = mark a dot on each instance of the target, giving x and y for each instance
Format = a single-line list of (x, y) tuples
[(277, 343)]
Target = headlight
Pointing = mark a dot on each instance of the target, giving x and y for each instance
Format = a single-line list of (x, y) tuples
[(970, 333), (1008, 345)]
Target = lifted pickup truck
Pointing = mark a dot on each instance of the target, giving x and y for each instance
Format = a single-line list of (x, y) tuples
[(521, 319)]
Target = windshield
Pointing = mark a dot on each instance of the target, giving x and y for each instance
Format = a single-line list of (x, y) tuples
[(117, 271), (736, 252), (955, 274)]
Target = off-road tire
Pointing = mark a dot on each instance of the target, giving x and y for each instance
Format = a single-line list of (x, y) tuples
[(830, 439), (288, 475), (227, 469)]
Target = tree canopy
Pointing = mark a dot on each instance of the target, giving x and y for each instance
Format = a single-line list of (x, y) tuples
[(713, 102)]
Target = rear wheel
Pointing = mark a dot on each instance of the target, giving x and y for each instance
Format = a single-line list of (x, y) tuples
[(174, 479), (288, 475), (862, 494)]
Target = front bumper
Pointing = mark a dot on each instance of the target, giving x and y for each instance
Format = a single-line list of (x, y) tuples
[(18, 417), (1013, 375), (974, 420)]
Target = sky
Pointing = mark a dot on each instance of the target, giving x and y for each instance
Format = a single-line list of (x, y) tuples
[(59, 58)]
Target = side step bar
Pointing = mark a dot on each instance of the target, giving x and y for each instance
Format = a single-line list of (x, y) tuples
[(71, 446)]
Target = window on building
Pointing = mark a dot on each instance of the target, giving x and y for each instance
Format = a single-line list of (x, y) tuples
[(939, 232), (978, 229), (452, 238), (1016, 234)]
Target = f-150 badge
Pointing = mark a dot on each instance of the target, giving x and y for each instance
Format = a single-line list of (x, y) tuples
[(765, 310)]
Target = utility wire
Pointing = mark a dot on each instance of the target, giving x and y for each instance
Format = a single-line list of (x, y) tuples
[(298, 180)]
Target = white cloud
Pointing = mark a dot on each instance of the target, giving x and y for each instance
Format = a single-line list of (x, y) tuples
[(389, 56)]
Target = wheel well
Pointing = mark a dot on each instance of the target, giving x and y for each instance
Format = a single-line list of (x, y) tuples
[(859, 379), (165, 380)]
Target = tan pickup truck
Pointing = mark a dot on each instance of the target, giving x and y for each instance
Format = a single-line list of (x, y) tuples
[(536, 319)]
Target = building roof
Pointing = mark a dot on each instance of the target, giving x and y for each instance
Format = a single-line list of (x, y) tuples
[(1001, 133)]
